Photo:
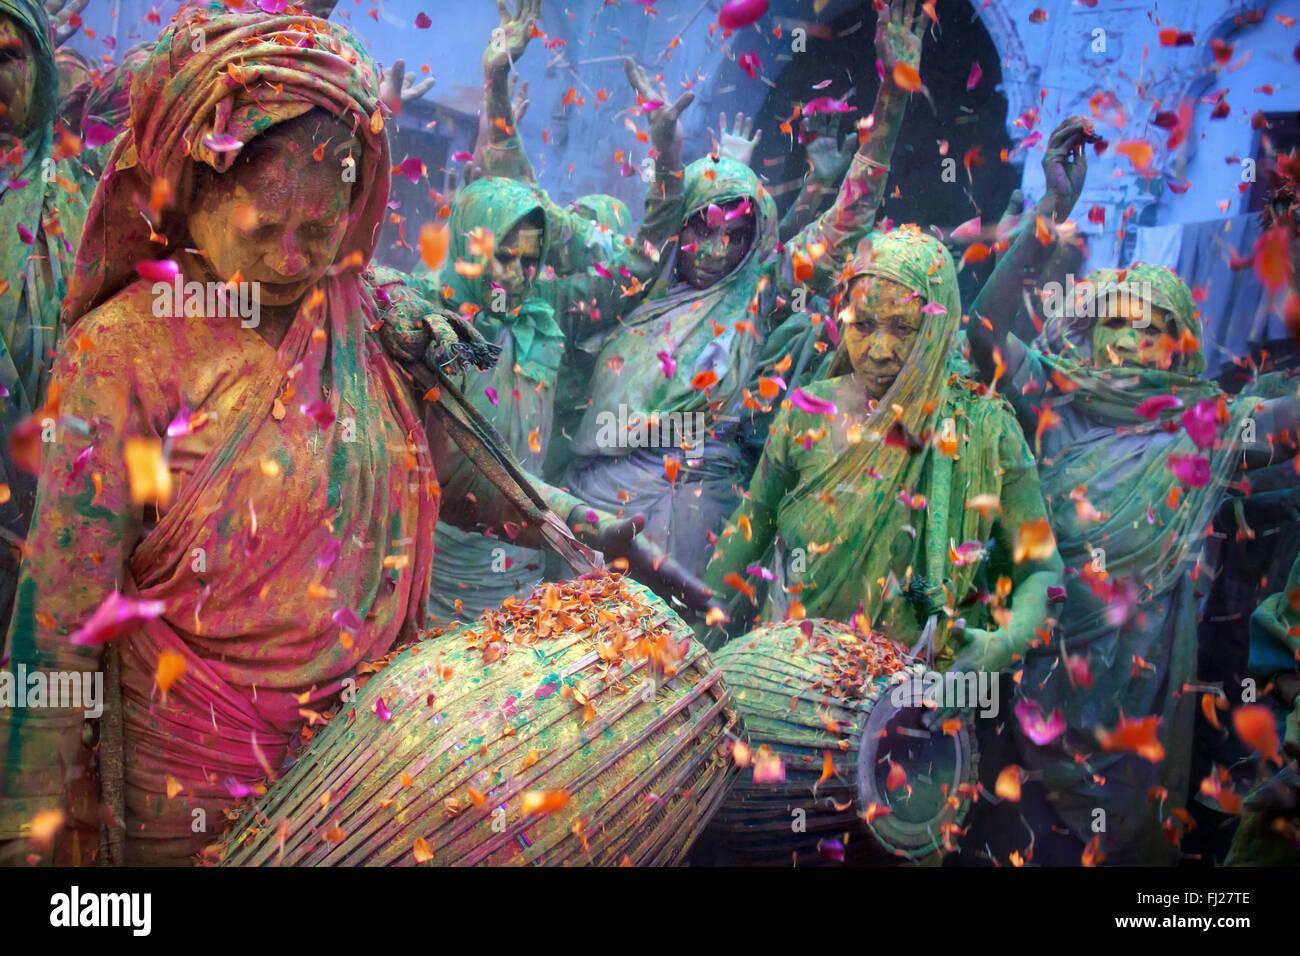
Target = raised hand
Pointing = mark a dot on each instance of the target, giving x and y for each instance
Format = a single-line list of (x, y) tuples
[(735, 144), (1065, 164), (830, 160), (665, 125), (510, 39), (60, 13), (900, 24), (399, 87)]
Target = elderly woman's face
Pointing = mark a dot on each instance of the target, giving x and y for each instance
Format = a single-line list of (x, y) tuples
[(707, 254), (278, 222), (1122, 335), (17, 77), (514, 263), (880, 324)]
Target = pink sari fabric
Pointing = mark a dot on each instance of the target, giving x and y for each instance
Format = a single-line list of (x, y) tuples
[(296, 547)]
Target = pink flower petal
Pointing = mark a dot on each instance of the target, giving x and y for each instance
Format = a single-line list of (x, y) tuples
[(381, 710), (934, 308), (422, 21), (1150, 408), (1192, 470), (330, 553), (462, 156), (1200, 422), (412, 168), (25, 234), (319, 412), (183, 424), (238, 790), (750, 63), (741, 210), (668, 364), (79, 466), (492, 396), (1041, 731), (221, 142), (347, 619), (970, 229), (825, 104), (714, 216), (810, 404), (976, 74), (116, 616), (741, 13), (97, 134), (159, 270)]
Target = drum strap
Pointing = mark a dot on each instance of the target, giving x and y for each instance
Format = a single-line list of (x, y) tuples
[(936, 544)]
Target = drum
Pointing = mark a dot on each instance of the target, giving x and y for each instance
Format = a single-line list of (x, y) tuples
[(843, 769), (584, 726)]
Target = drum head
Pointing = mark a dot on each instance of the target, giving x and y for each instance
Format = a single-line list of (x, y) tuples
[(936, 766)]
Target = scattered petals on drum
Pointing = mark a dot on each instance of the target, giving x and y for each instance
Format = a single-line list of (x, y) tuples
[(582, 726)]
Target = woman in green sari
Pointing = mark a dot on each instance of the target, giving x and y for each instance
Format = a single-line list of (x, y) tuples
[(477, 572), (895, 490), (44, 195), (1135, 452)]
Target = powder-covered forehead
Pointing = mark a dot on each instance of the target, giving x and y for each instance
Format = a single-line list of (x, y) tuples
[(915, 260)]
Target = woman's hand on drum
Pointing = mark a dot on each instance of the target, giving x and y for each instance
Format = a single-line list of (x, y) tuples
[(621, 538), (981, 650)]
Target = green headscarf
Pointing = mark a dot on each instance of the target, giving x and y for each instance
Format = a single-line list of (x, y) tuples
[(872, 535), (680, 320), (1067, 342), (497, 206), (608, 211)]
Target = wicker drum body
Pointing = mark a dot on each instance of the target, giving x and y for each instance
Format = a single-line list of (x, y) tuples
[(583, 726)]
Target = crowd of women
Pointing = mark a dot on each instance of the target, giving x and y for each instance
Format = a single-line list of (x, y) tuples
[(762, 420)]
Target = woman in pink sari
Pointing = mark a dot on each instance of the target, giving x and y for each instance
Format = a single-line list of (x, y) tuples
[(245, 503)]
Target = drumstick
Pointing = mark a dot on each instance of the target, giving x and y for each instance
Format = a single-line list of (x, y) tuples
[(474, 434)]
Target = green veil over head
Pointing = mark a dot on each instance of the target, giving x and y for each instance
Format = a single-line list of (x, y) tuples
[(498, 205), (876, 536)]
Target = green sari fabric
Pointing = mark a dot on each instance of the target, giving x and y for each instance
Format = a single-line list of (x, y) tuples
[(1274, 647), (1275, 632), (43, 203), (1135, 624), (497, 206), (835, 500), (680, 320), (516, 395)]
